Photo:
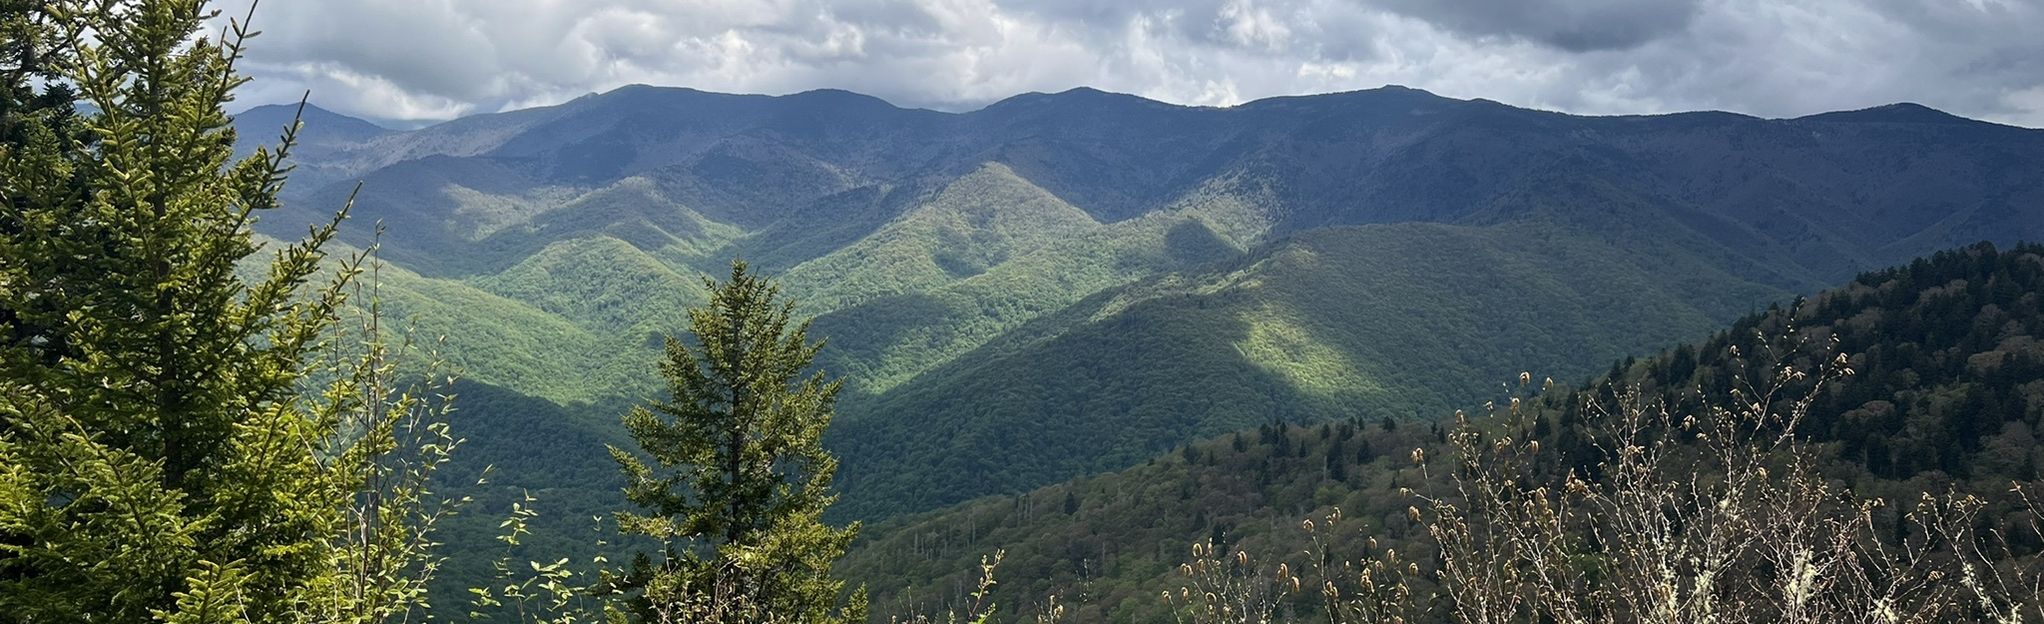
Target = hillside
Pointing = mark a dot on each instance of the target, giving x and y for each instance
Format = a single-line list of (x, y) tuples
[(1948, 390), (323, 137), (488, 334), (572, 496), (1038, 266), (1826, 192), (1369, 322)]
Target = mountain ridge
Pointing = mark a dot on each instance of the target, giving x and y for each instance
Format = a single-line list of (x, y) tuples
[(1947, 396), (1102, 164), (1089, 91), (967, 253)]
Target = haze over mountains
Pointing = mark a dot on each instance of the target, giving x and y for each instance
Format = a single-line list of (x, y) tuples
[(1063, 284)]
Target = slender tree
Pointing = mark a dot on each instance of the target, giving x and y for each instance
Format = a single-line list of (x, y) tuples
[(738, 479)]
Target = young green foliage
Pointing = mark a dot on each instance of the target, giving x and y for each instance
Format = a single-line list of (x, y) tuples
[(738, 478)]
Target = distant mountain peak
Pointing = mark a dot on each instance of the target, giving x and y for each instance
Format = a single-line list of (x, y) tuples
[(1389, 96), (639, 87), (1075, 95), (840, 97), (269, 120), (312, 111), (1899, 112), (642, 95), (1397, 88)]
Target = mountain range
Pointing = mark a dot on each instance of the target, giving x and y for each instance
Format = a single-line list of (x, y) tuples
[(1947, 394), (1065, 284)]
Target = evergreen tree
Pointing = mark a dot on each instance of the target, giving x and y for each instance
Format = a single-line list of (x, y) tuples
[(165, 453), (738, 478), (1337, 462)]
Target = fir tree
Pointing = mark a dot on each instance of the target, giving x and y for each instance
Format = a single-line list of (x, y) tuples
[(1337, 462), (738, 479), (165, 452)]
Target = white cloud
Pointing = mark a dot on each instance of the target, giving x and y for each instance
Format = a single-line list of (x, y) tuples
[(1251, 26), (433, 59)]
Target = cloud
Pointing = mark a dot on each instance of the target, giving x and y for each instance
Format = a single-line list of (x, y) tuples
[(1574, 25), (435, 59)]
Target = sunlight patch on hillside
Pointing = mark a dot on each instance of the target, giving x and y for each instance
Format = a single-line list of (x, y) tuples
[(479, 214), (1289, 349)]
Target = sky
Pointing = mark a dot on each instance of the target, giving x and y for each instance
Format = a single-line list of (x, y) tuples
[(422, 60)]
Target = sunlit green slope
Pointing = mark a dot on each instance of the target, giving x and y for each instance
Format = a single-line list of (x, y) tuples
[(1397, 321)]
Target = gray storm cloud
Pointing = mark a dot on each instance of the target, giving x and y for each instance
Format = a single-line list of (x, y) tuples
[(436, 59), (1573, 25)]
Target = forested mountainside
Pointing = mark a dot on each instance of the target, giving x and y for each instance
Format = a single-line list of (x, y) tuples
[(665, 355), (1947, 390), (1339, 323), (955, 260)]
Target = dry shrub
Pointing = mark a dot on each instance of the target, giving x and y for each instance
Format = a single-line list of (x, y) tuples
[(1714, 513)]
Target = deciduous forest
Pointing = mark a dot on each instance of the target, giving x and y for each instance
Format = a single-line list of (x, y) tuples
[(658, 354)]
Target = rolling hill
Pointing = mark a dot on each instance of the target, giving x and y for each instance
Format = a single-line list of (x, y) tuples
[(1067, 283), (1351, 322), (1948, 393)]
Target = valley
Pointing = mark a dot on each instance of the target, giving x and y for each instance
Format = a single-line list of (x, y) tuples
[(1063, 285), (1021, 312)]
